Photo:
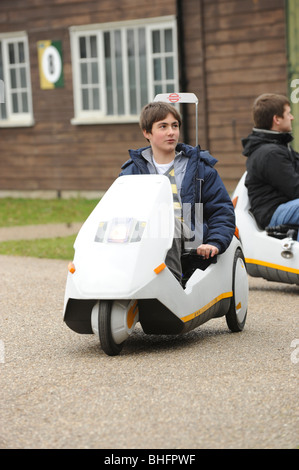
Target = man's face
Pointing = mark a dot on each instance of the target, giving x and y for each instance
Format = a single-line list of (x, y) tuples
[(164, 135), (284, 123)]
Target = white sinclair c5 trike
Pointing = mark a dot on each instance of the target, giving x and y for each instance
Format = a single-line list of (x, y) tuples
[(273, 253), (118, 276)]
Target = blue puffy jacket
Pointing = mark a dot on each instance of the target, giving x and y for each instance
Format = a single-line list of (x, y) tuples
[(201, 183)]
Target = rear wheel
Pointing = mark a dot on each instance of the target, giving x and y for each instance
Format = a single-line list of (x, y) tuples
[(109, 346), (236, 315)]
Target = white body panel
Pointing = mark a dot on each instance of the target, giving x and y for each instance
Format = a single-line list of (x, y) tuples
[(119, 270)]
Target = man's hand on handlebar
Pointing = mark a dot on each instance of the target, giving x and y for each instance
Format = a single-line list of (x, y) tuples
[(207, 251)]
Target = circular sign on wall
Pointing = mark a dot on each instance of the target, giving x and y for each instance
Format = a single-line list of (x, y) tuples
[(50, 64)]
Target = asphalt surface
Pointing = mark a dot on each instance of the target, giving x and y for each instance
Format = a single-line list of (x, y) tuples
[(208, 389)]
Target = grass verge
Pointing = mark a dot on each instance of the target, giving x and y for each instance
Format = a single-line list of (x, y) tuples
[(15, 212), (19, 212), (51, 248)]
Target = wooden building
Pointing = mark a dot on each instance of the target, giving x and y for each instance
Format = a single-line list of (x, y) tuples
[(74, 75)]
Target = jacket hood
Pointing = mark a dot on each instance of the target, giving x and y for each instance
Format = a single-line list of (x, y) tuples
[(260, 137), (194, 151)]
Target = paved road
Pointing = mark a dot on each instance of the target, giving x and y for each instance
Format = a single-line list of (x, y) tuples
[(207, 389)]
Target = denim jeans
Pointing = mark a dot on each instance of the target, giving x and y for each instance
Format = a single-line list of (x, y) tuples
[(287, 213)]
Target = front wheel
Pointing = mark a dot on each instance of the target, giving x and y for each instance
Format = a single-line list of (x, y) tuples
[(109, 346), (236, 315)]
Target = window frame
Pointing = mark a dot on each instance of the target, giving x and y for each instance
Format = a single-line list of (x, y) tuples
[(101, 116), (16, 119)]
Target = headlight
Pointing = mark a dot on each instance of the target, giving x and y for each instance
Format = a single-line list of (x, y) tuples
[(120, 230)]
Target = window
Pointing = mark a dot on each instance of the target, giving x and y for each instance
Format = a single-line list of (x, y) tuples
[(16, 110), (119, 67)]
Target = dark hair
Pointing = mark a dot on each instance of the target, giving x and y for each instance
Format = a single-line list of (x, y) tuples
[(157, 111), (265, 107)]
